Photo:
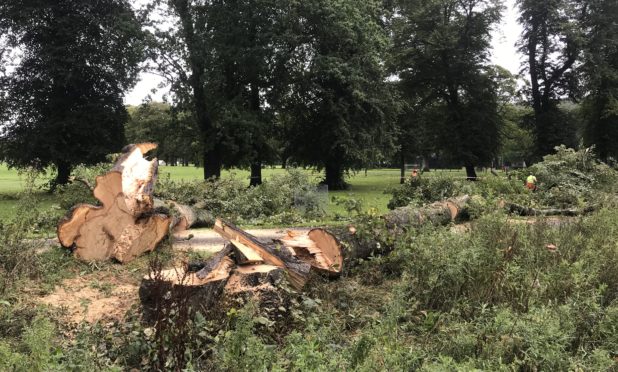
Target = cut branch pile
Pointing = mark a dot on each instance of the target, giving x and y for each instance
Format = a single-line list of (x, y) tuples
[(248, 265), (125, 225)]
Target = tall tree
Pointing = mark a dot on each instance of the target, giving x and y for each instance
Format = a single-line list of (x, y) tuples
[(441, 53), (180, 48), (246, 35), (339, 106), (552, 43), (63, 102), (600, 70)]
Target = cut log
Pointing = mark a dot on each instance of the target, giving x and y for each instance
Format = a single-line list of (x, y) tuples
[(185, 216), (298, 271), (363, 246), (212, 263), (521, 210), (245, 255), (319, 248), (124, 225), (438, 213), (139, 176)]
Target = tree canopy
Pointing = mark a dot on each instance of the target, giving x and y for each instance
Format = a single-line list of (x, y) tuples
[(552, 41), (441, 54), (339, 107), (63, 103)]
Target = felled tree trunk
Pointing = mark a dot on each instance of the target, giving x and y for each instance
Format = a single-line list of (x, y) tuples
[(124, 225), (438, 213), (363, 246), (184, 216), (521, 210), (200, 289)]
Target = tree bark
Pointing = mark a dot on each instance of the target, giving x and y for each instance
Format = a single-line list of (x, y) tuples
[(298, 271), (256, 174), (334, 177), (402, 174), (211, 155), (212, 163), (64, 172), (471, 173)]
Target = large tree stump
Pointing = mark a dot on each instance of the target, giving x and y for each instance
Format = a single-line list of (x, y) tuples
[(124, 225), (246, 269), (297, 270)]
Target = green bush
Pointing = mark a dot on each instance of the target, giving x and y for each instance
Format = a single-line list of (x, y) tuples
[(282, 198), (34, 352), (571, 178)]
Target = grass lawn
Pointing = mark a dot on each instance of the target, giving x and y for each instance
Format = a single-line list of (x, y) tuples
[(368, 188)]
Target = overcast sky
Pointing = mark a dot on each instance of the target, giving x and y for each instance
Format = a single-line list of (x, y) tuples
[(504, 54)]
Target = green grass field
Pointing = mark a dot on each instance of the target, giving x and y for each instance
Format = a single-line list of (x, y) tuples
[(368, 188)]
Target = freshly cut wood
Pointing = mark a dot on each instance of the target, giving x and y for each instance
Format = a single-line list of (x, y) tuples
[(318, 247), (245, 255), (139, 176), (250, 276), (202, 292), (298, 271), (179, 276), (124, 225), (398, 221), (212, 263)]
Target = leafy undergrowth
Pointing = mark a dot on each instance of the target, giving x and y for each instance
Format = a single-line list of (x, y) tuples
[(496, 296), (502, 296)]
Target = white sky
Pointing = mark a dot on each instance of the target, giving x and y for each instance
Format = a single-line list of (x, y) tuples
[(504, 54)]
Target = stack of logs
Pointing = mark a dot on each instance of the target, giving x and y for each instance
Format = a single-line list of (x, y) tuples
[(249, 265)]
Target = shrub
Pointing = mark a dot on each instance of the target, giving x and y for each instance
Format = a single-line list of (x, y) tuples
[(279, 199)]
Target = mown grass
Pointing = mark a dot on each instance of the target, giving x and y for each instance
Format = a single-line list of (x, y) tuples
[(367, 187)]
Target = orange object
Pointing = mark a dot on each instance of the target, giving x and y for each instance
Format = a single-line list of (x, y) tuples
[(530, 186)]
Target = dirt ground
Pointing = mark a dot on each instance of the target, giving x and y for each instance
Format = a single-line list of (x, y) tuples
[(94, 297)]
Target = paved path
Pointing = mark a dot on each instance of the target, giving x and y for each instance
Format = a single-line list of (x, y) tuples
[(208, 240)]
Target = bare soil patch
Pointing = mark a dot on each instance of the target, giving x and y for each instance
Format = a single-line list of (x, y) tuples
[(92, 298)]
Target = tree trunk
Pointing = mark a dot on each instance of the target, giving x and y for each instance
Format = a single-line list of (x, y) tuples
[(402, 175), (425, 164), (334, 177), (256, 174), (471, 173), (400, 220), (64, 172), (212, 163)]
